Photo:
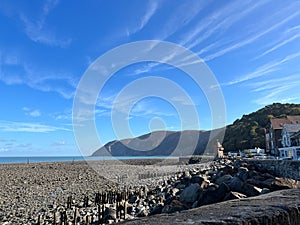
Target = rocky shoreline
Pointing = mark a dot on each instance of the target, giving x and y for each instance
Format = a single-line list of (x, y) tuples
[(69, 193)]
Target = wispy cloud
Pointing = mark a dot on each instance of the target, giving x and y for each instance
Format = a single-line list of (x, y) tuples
[(279, 44), (150, 11), (59, 143), (128, 105), (219, 21), (37, 31), (152, 7), (272, 84), (264, 69), (39, 79), (262, 32), (11, 126), (276, 90), (180, 18), (147, 109), (32, 112)]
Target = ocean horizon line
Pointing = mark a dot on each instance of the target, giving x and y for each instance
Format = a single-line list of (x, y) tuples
[(40, 159)]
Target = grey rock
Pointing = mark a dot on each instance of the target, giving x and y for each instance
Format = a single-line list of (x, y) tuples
[(190, 193), (224, 179), (197, 179), (234, 195), (243, 173), (265, 191), (156, 210), (173, 207)]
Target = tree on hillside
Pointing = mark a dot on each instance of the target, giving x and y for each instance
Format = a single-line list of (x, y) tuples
[(249, 131)]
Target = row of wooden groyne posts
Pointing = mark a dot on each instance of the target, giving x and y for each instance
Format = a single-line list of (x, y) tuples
[(69, 213), (62, 214)]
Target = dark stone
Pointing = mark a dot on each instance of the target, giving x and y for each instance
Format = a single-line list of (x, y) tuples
[(173, 207), (214, 196), (109, 214), (156, 210), (229, 170), (190, 193), (243, 173), (234, 195), (236, 184), (133, 199), (129, 209), (197, 179), (284, 183), (142, 211), (169, 200), (224, 179)]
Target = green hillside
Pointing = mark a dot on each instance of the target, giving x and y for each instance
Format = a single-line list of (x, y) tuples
[(248, 132)]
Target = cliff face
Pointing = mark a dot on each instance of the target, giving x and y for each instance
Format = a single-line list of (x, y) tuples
[(159, 143)]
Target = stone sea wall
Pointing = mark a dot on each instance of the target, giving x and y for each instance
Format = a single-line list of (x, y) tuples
[(280, 168)]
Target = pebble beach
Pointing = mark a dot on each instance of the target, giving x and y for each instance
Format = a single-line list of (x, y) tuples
[(30, 190)]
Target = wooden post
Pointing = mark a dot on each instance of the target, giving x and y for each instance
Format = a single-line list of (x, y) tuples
[(75, 216), (86, 201), (39, 220), (117, 210), (103, 213), (63, 218), (87, 220), (99, 214), (69, 202), (54, 218), (97, 198)]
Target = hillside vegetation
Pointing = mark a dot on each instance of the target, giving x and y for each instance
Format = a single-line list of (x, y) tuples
[(248, 132)]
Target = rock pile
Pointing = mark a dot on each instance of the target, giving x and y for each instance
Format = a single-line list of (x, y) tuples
[(225, 180)]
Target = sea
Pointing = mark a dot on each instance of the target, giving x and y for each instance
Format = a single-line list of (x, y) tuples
[(37, 159)]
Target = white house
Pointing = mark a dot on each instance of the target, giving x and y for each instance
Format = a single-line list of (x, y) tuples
[(289, 137)]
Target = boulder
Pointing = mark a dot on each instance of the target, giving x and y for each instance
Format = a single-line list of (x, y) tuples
[(265, 191), (133, 199), (236, 184), (197, 179), (224, 179), (243, 173), (109, 214), (211, 196), (276, 183), (142, 211), (229, 170), (173, 207), (284, 183), (234, 195), (190, 193), (156, 210)]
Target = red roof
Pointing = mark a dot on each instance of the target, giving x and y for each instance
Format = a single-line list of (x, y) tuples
[(278, 122), (294, 119)]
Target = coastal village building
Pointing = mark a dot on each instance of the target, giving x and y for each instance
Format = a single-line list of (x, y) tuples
[(282, 134), (290, 135), (220, 149)]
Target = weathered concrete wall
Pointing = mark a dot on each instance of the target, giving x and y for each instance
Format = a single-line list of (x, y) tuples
[(280, 168), (279, 207)]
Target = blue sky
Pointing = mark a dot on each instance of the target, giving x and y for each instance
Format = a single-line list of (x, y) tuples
[(252, 48)]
